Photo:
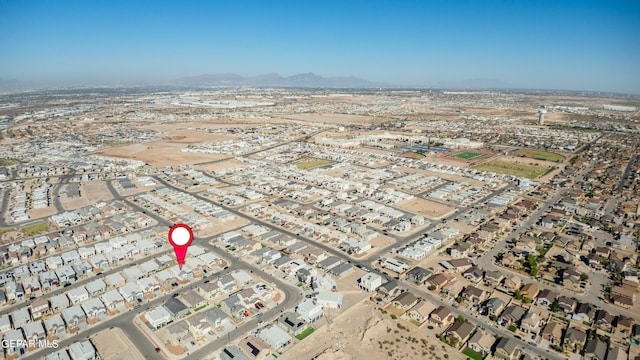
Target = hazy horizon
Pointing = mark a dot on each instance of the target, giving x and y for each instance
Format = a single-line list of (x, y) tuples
[(583, 46)]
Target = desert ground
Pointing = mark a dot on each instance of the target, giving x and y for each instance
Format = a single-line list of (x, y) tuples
[(90, 193), (426, 208), (363, 332), (113, 344), (169, 152)]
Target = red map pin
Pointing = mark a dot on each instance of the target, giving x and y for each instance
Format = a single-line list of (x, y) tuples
[(180, 236)]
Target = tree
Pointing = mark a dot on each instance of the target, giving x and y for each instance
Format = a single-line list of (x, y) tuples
[(517, 295), (584, 277), (555, 306)]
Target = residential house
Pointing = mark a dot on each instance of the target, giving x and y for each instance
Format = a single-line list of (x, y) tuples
[(178, 333), (473, 274), (494, 306), (493, 277), (567, 304), (82, 350), (473, 294), (439, 280), (253, 346), (275, 336), (309, 310), (512, 283), (481, 342), (595, 349), (5, 323), (616, 353), (574, 340), (370, 282), (604, 319), (208, 290), (232, 353), (530, 291), (20, 317), (531, 323), (459, 331), (507, 349), (96, 287), (420, 311), (94, 308), (54, 325), (74, 317), (14, 340), (552, 333), (131, 292), (292, 322), (586, 311), (193, 300), (546, 297), (39, 307), (59, 302), (405, 301), (511, 315), (441, 317), (158, 317), (176, 308), (112, 299)]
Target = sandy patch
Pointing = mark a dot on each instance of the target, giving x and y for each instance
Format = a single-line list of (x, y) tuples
[(160, 153), (90, 193), (363, 332), (219, 227), (378, 243), (169, 151), (113, 344), (40, 213), (427, 208)]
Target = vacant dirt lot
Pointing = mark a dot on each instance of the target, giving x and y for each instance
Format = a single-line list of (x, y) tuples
[(113, 345), (169, 152), (363, 332), (426, 208)]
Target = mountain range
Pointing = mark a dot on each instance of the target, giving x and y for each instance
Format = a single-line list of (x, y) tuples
[(306, 80)]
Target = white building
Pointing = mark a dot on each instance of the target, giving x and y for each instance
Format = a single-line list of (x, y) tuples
[(158, 317), (370, 282)]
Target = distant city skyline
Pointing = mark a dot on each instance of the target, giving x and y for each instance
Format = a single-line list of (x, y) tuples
[(566, 45)]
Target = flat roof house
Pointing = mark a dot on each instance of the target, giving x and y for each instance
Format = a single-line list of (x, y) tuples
[(275, 337)]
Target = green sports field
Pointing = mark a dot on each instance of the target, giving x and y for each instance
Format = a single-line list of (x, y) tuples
[(467, 155)]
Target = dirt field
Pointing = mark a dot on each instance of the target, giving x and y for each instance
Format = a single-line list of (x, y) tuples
[(169, 152), (363, 332), (90, 193), (426, 208), (40, 213), (114, 345), (220, 227)]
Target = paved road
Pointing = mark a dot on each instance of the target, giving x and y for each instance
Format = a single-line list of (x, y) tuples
[(56, 192)]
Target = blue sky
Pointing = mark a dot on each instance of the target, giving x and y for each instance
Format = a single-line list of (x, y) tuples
[(582, 45)]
